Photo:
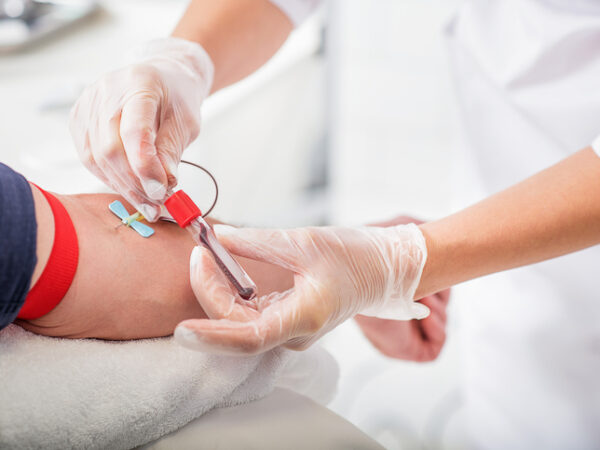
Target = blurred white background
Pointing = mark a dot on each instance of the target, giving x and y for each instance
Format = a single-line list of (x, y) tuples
[(353, 121)]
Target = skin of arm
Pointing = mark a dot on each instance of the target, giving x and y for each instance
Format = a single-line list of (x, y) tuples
[(552, 213), (125, 287), (239, 35), (122, 290)]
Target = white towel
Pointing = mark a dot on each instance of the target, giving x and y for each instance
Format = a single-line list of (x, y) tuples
[(64, 393)]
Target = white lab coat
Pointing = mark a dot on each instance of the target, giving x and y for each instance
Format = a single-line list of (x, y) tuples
[(528, 79), (527, 74)]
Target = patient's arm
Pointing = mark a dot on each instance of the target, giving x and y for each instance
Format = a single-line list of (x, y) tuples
[(126, 286)]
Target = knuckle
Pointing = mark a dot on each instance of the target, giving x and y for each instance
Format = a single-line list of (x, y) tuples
[(85, 156), (108, 151), (144, 170), (144, 166), (171, 180)]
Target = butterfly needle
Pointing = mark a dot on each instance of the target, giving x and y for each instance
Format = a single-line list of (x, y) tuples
[(130, 219)]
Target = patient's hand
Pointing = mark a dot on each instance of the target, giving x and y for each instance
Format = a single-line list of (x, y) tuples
[(126, 286), (413, 340)]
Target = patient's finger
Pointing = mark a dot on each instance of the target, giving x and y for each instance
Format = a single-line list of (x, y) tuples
[(213, 291)]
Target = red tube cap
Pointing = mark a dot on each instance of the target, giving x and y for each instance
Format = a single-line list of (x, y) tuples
[(182, 208)]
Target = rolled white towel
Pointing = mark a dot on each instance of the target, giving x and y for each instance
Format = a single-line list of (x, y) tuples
[(66, 393)]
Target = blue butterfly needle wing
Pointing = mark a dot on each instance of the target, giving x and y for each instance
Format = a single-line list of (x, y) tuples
[(118, 209), (143, 230)]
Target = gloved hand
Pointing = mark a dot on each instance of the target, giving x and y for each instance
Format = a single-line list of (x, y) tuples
[(339, 272), (411, 340), (131, 127)]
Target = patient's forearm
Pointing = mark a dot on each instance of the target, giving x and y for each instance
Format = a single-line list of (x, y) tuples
[(125, 286)]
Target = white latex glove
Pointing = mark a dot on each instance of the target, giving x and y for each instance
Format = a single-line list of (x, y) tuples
[(339, 272), (131, 127)]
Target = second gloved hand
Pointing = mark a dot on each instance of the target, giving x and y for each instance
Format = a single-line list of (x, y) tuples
[(131, 127), (338, 272)]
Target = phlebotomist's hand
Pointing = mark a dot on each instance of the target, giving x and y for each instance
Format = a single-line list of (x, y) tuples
[(131, 127), (412, 340), (339, 272)]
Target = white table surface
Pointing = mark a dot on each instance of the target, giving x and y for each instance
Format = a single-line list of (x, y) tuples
[(282, 420)]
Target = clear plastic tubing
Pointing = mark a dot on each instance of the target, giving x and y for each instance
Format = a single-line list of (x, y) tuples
[(188, 216)]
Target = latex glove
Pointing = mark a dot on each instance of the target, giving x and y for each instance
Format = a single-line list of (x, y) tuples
[(412, 340), (131, 127), (338, 272)]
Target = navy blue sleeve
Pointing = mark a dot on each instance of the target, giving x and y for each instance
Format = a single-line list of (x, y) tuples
[(18, 238)]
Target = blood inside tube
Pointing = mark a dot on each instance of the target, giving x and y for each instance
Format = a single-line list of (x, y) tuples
[(188, 215), (229, 266)]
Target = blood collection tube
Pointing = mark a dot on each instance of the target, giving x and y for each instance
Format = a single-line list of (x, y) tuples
[(188, 216)]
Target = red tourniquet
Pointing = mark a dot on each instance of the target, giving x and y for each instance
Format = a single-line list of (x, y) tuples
[(60, 269)]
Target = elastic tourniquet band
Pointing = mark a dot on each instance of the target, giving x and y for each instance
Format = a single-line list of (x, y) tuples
[(60, 269)]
